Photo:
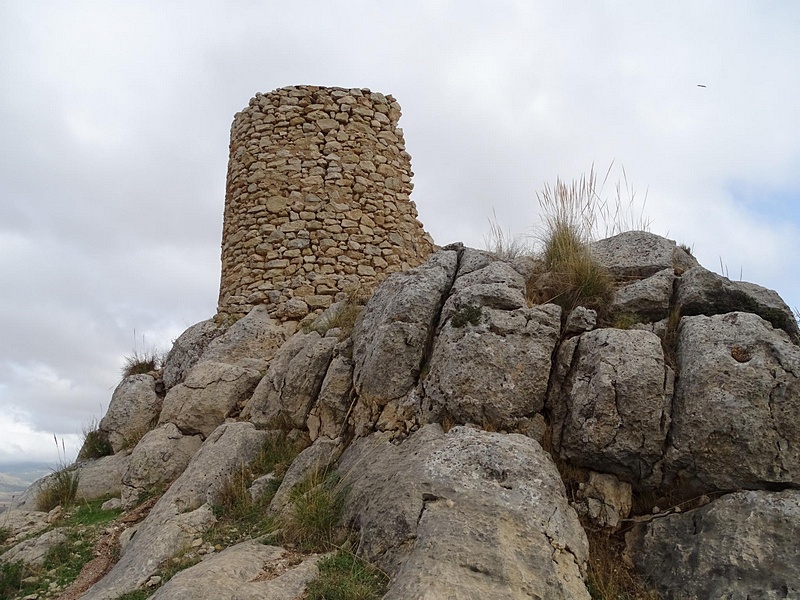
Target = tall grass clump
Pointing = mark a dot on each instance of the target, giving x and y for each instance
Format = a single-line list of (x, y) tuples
[(609, 577), (315, 508), (142, 361), (571, 276), (61, 487)]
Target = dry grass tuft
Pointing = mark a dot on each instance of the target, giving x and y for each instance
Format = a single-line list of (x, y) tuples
[(610, 578), (503, 245)]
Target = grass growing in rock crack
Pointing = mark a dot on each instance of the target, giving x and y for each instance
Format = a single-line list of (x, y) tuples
[(344, 576), (610, 578), (239, 514), (315, 509)]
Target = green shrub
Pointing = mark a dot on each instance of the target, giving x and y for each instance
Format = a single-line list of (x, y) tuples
[(95, 443), (466, 315), (315, 508), (5, 533), (58, 490), (343, 576)]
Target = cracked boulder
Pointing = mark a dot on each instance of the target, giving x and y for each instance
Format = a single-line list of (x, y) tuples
[(701, 292), (211, 393), (647, 299), (328, 415), (496, 285), (253, 337), (736, 416), (187, 350), (393, 331), (246, 571), (294, 378), (133, 410), (742, 545), (464, 514), (610, 405), (494, 373), (158, 459), (184, 512), (639, 254)]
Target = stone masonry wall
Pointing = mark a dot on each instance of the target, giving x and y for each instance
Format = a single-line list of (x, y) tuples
[(317, 200)]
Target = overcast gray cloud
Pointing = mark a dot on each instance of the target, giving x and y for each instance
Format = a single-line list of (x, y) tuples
[(115, 121)]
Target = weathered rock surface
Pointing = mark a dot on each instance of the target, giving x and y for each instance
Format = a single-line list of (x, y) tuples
[(639, 254), (184, 511), (311, 462), (511, 349), (327, 416), (741, 546), (611, 402), (102, 477), (253, 337), (187, 350), (247, 571), (497, 285), (604, 500), (34, 550), (158, 459), (393, 331), (648, 299), (736, 416), (133, 410), (212, 392), (701, 292), (467, 514), (293, 381), (22, 522)]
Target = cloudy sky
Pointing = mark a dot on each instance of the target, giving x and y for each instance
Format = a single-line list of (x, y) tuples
[(115, 120)]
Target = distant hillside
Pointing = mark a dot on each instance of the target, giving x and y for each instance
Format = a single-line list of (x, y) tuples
[(15, 479)]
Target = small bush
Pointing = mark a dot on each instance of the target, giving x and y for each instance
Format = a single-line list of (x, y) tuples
[(346, 577), (466, 315), (58, 490), (315, 508), (141, 363), (5, 533), (95, 443)]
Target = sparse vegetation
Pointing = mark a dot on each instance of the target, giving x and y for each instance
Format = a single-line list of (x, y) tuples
[(143, 360), (466, 315), (625, 320), (134, 595), (344, 576), (95, 442), (610, 578), (5, 533), (342, 317), (239, 515), (11, 576), (503, 245), (58, 490), (315, 509)]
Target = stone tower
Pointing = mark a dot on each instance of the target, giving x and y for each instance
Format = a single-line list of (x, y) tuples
[(317, 200)]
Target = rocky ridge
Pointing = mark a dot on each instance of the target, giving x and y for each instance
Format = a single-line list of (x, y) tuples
[(483, 441)]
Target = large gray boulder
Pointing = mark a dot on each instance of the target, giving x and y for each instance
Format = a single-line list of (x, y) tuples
[(184, 511), (394, 329), (212, 392), (639, 254), (247, 571), (610, 403), (101, 477), (743, 546), (253, 337), (701, 292), (158, 459), (736, 415), (133, 411), (497, 285), (467, 514), (495, 373), (33, 551), (288, 390), (187, 350)]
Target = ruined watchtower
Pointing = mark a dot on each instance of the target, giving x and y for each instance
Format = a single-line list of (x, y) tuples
[(317, 200)]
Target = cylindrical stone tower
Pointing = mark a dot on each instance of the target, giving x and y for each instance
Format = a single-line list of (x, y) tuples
[(317, 200)]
